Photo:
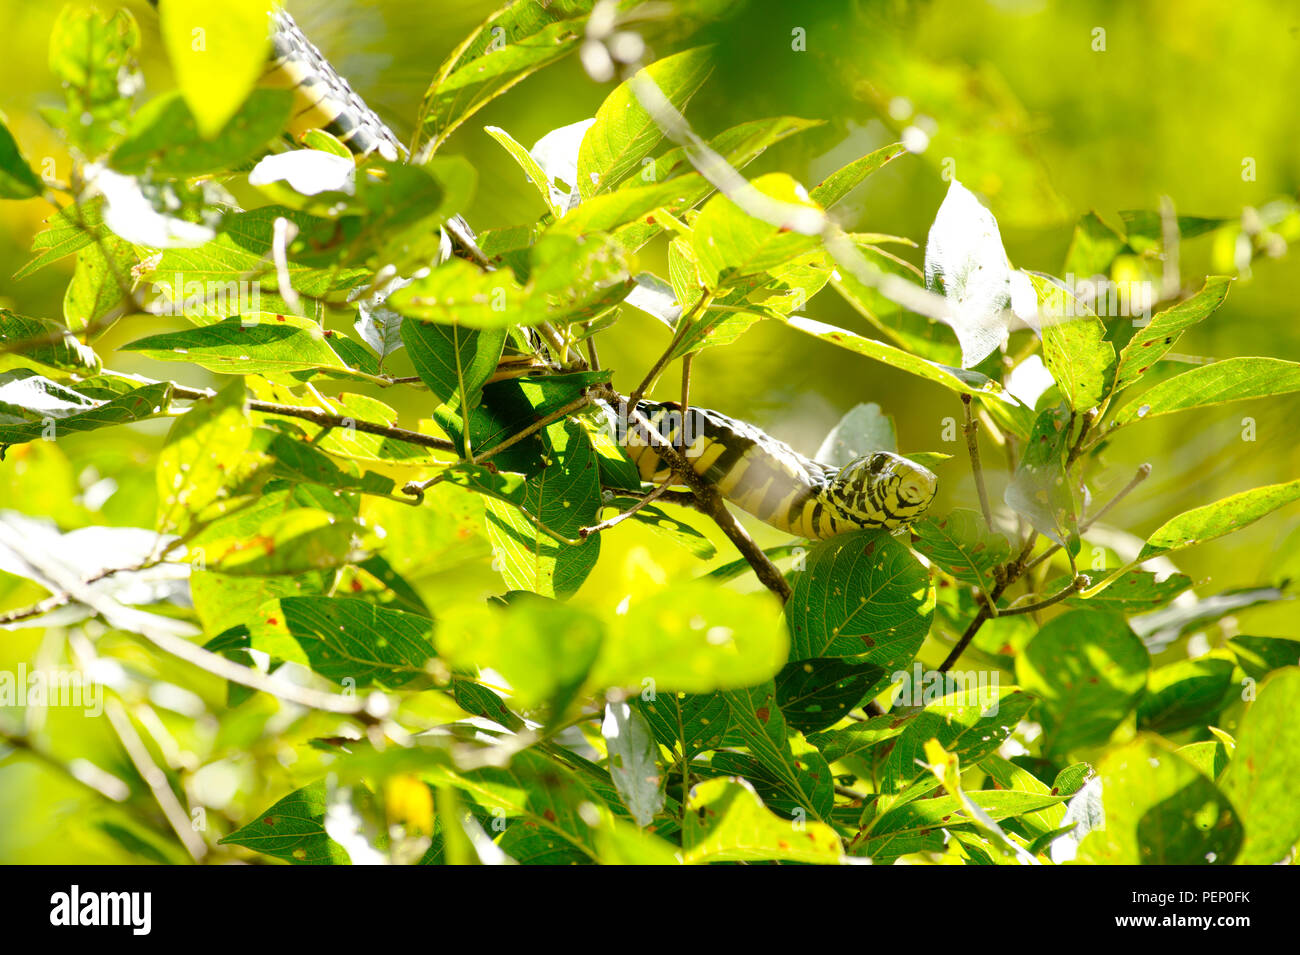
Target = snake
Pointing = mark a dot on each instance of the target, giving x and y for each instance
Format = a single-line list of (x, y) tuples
[(756, 472)]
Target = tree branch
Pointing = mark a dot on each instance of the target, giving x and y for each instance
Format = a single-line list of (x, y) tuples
[(327, 420)]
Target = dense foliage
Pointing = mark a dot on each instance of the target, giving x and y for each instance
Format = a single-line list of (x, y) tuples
[(323, 635)]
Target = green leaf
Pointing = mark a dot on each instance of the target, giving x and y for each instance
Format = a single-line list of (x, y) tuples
[(259, 343), (730, 243), (1093, 248), (947, 812), (1134, 592), (51, 346), (740, 145), (17, 180), (1145, 228), (921, 336), (93, 55), (1074, 347), (32, 407), (862, 595), (624, 132), (564, 497), (668, 527), (971, 722), (633, 761), (293, 542), (859, 738), (800, 781), (1210, 756), (707, 637), (1040, 490), (1015, 778), (1233, 379), (453, 361), (293, 830), (843, 181), (195, 461), (218, 53), (1160, 810), (1260, 656), (687, 723), (1224, 516), (1260, 780), (529, 165), (1088, 669), (544, 648), (348, 639), (612, 210), (100, 282), (403, 207), (243, 252), (814, 694), (165, 140), (301, 463), (727, 822), (963, 546), (862, 430), (1183, 694), (1149, 343), (71, 228), (571, 279), (954, 379), (513, 43)]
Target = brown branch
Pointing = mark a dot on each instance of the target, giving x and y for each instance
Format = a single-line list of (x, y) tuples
[(683, 325), (327, 420), (620, 517), (417, 488), (1081, 582)]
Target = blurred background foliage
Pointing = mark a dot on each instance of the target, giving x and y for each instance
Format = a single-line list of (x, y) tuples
[(1014, 96)]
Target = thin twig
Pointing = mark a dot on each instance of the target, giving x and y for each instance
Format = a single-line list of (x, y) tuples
[(971, 431), (1081, 582), (683, 325), (620, 517), (326, 419), (417, 488), (1142, 474), (155, 779)]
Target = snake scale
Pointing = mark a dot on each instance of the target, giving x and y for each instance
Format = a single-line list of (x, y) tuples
[(751, 469)]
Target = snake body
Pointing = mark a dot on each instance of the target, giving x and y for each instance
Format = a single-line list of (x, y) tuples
[(778, 485), (751, 469)]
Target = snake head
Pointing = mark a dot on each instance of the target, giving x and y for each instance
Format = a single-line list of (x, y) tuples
[(883, 490)]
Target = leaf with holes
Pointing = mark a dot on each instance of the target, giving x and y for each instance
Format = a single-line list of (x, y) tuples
[(961, 544), (1149, 343), (624, 131), (815, 694), (861, 595)]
